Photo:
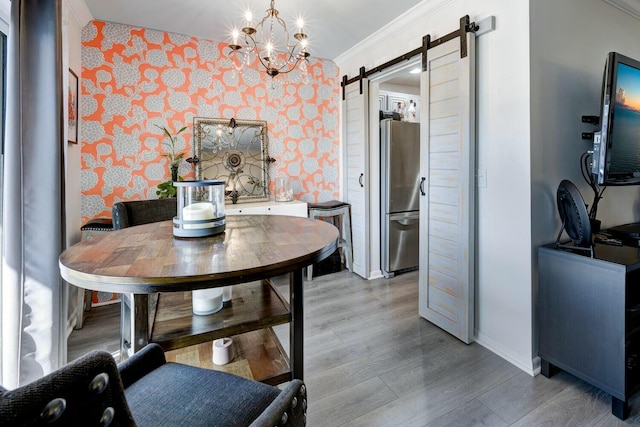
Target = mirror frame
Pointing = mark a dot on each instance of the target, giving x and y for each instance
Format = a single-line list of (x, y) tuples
[(240, 157)]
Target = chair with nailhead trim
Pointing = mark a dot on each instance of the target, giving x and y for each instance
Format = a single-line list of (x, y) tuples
[(145, 390)]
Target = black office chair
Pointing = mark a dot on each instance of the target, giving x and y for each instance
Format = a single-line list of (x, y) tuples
[(145, 390)]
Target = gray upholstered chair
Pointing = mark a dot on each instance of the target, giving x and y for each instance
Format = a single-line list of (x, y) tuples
[(145, 390), (129, 214), (138, 212)]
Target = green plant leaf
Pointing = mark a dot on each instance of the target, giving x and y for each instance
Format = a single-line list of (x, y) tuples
[(165, 130), (173, 157)]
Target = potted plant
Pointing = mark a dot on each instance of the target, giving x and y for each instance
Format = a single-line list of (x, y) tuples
[(166, 189)]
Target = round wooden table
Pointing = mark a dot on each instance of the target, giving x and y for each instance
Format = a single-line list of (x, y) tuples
[(147, 259)]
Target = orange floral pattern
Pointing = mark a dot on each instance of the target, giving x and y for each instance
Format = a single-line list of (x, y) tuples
[(135, 79)]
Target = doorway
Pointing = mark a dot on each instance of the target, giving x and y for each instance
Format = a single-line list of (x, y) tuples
[(395, 85)]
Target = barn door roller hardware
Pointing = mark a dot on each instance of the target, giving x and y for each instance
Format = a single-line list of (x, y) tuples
[(465, 27)]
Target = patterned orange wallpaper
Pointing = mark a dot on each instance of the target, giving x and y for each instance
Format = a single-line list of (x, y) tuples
[(136, 78)]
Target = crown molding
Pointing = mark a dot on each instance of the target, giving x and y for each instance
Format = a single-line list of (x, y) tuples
[(5, 15), (80, 11), (632, 7), (423, 9)]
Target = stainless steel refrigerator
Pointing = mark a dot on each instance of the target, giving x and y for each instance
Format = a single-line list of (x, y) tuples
[(400, 195)]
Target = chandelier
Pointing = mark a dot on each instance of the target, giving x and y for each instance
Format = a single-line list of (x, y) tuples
[(269, 42)]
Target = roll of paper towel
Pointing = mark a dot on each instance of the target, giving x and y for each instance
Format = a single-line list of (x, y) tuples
[(222, 351)]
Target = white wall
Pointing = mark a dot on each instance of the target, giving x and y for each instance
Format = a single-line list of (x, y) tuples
[(409, 90), (71, 60), (567, 63), (5, 15), (503, 288), (76, 15), (569, 42)]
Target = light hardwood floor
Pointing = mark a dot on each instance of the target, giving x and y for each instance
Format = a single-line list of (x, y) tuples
[(371, 360)]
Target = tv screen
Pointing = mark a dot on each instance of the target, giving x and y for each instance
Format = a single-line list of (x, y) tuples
[(619, 145)]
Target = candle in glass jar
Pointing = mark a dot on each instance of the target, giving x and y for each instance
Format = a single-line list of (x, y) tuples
[(197, 211)]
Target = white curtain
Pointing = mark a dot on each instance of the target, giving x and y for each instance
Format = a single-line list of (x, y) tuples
[(33, 327)]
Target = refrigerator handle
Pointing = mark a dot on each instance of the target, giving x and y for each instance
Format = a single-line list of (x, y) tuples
[(360, 180), (422, 186)]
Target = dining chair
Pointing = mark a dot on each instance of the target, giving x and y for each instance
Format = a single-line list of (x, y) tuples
[(128, 214), (138, 212), (146, 390)]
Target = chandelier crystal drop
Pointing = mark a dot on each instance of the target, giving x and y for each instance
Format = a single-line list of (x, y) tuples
[(269, 43)]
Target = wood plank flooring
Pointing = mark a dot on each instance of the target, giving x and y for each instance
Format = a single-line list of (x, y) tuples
[(370, 360)]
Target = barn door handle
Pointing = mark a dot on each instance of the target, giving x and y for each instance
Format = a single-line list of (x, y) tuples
[(422, 186), (360, 180)]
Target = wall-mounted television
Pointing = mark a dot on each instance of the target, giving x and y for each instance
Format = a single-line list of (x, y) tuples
[(616, 153)]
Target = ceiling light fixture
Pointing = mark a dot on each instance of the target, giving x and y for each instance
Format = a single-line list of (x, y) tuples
[(269, 42), (416, 70)]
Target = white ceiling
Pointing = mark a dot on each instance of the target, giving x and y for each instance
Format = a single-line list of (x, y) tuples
[(333, 26), (632, 7)]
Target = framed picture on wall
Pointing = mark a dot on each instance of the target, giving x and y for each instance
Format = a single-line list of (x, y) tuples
[(72, 127)]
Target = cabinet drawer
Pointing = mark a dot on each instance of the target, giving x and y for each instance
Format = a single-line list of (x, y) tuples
[(287, 209), (296, 208), (246, 210)]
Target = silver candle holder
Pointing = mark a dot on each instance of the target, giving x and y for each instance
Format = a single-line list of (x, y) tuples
[(200, 208)]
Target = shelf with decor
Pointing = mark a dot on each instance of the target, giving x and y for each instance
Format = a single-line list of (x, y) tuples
[(254, 308), (259, 356), (254, 305)]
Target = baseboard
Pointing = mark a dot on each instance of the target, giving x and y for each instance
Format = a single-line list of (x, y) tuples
[(537, 362), (499, 350), (375, 275)]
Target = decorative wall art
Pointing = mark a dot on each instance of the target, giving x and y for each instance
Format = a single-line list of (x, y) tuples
[(72, 126), (235, 151)]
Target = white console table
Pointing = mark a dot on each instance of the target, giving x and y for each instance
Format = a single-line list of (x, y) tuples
[(293, 208)]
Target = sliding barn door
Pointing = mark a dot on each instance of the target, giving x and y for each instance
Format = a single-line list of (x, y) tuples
[(447, 207), (355, 115)]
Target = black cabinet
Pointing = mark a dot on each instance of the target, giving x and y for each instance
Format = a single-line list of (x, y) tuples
[(589, 318)]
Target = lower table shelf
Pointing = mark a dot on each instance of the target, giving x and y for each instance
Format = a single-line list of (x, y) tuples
[(254, 305), (258, 356), (248, 319)]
